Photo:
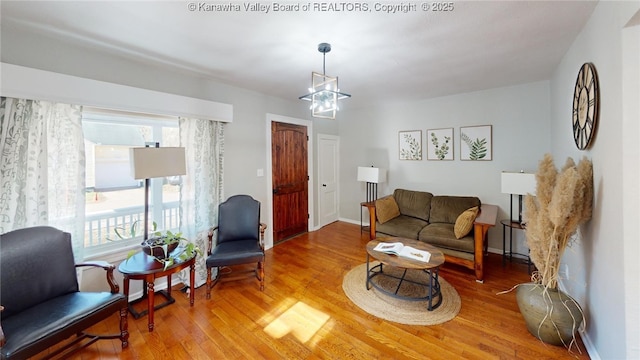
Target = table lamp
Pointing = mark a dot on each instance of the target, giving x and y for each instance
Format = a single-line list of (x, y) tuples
[(153, 162), (518, 183), (372, 176)]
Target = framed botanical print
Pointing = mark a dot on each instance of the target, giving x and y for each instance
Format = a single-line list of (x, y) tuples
[(410, 145), (476, 143), (440, 144)]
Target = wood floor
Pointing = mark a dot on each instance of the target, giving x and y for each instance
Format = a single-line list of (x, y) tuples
[(304, 286)]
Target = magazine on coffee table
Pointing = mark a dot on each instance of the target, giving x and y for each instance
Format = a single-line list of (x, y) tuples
[(399, 249)]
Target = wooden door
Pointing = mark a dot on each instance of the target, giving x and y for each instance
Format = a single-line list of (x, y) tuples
[(289, 180)]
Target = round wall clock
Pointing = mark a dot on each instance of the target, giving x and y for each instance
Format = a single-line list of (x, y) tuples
[(585, 106)]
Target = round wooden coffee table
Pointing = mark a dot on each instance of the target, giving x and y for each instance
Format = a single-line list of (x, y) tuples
[(429, 269)]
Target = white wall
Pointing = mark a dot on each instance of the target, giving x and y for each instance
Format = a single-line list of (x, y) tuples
[(631, 182), (598, 278), (519, 116)]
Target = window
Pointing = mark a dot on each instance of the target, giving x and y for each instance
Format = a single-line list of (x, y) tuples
[(114, 200)]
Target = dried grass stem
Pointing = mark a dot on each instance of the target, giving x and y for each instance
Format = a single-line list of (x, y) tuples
[(563, 201)]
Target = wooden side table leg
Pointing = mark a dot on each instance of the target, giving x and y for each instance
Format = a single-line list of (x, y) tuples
[(372, 223), (125, 289), (150, 303)]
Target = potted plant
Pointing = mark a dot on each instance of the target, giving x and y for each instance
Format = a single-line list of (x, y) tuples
[(562, 202), (161, 245)]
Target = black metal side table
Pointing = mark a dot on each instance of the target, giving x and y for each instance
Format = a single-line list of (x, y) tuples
[(511, 254)]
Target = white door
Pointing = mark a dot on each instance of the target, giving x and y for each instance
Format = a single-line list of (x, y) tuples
[(328, 152)]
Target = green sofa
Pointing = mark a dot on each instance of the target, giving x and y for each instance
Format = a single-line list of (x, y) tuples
[(432, 219)]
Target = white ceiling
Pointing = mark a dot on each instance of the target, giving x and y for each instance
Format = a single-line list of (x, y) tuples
[(377, 55)]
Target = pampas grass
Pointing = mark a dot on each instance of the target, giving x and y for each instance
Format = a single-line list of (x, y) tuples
[(563, 201)]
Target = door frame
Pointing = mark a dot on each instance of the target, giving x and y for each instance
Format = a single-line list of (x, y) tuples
[(335, 138), (268, 241)]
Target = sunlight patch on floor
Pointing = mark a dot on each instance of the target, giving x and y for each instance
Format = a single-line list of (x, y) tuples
[(300, 320)]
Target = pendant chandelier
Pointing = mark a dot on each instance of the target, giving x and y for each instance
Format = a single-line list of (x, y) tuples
[(324, 93)]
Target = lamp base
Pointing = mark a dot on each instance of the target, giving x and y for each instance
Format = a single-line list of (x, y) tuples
[(372, 192)]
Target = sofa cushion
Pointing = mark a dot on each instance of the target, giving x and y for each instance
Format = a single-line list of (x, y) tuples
[(457, 254), (52, 321), (464, 222), (416, 204), (402, 226), (441, 235), (446, 209), (386, 209)]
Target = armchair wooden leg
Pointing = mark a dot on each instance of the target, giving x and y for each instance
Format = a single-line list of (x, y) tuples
[(261, 274)]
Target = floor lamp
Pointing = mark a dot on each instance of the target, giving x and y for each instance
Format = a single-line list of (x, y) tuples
[(154, 162), (372, 176)]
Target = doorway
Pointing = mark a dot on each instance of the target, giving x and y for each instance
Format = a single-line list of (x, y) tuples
[(328, 191)]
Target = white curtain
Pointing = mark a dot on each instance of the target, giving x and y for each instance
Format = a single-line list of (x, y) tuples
[(43, 167), (202, 186)]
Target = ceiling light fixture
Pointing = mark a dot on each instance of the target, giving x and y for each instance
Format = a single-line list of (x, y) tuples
[(324, 93)]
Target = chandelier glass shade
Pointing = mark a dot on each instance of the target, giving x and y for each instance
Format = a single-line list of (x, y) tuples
[(324, 92)]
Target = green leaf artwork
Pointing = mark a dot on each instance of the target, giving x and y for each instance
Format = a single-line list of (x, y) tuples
[(441, 151), (410, 146), (477, 147)]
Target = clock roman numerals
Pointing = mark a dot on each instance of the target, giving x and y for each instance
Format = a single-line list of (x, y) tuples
[(585, 106)]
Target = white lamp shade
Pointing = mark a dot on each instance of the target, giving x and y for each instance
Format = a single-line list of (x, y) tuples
[(372, 174), (518, 183), (153, 162)]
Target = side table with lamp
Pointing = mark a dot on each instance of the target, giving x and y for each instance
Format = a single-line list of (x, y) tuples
[(515, 183), (372, 176), (149, 162)]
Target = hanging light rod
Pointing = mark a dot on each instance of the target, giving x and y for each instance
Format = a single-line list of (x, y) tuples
[(324, 93)]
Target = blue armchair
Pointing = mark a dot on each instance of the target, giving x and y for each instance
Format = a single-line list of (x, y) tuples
[(240, 238)]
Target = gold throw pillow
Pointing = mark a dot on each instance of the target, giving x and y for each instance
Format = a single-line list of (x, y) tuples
[(464, 222), (386, 209)]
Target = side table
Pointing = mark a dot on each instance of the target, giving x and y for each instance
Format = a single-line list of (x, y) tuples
[(365, 204), (144, 267), (511, 254)]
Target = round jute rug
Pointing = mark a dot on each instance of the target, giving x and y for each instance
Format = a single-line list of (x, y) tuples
[(401, 311)]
